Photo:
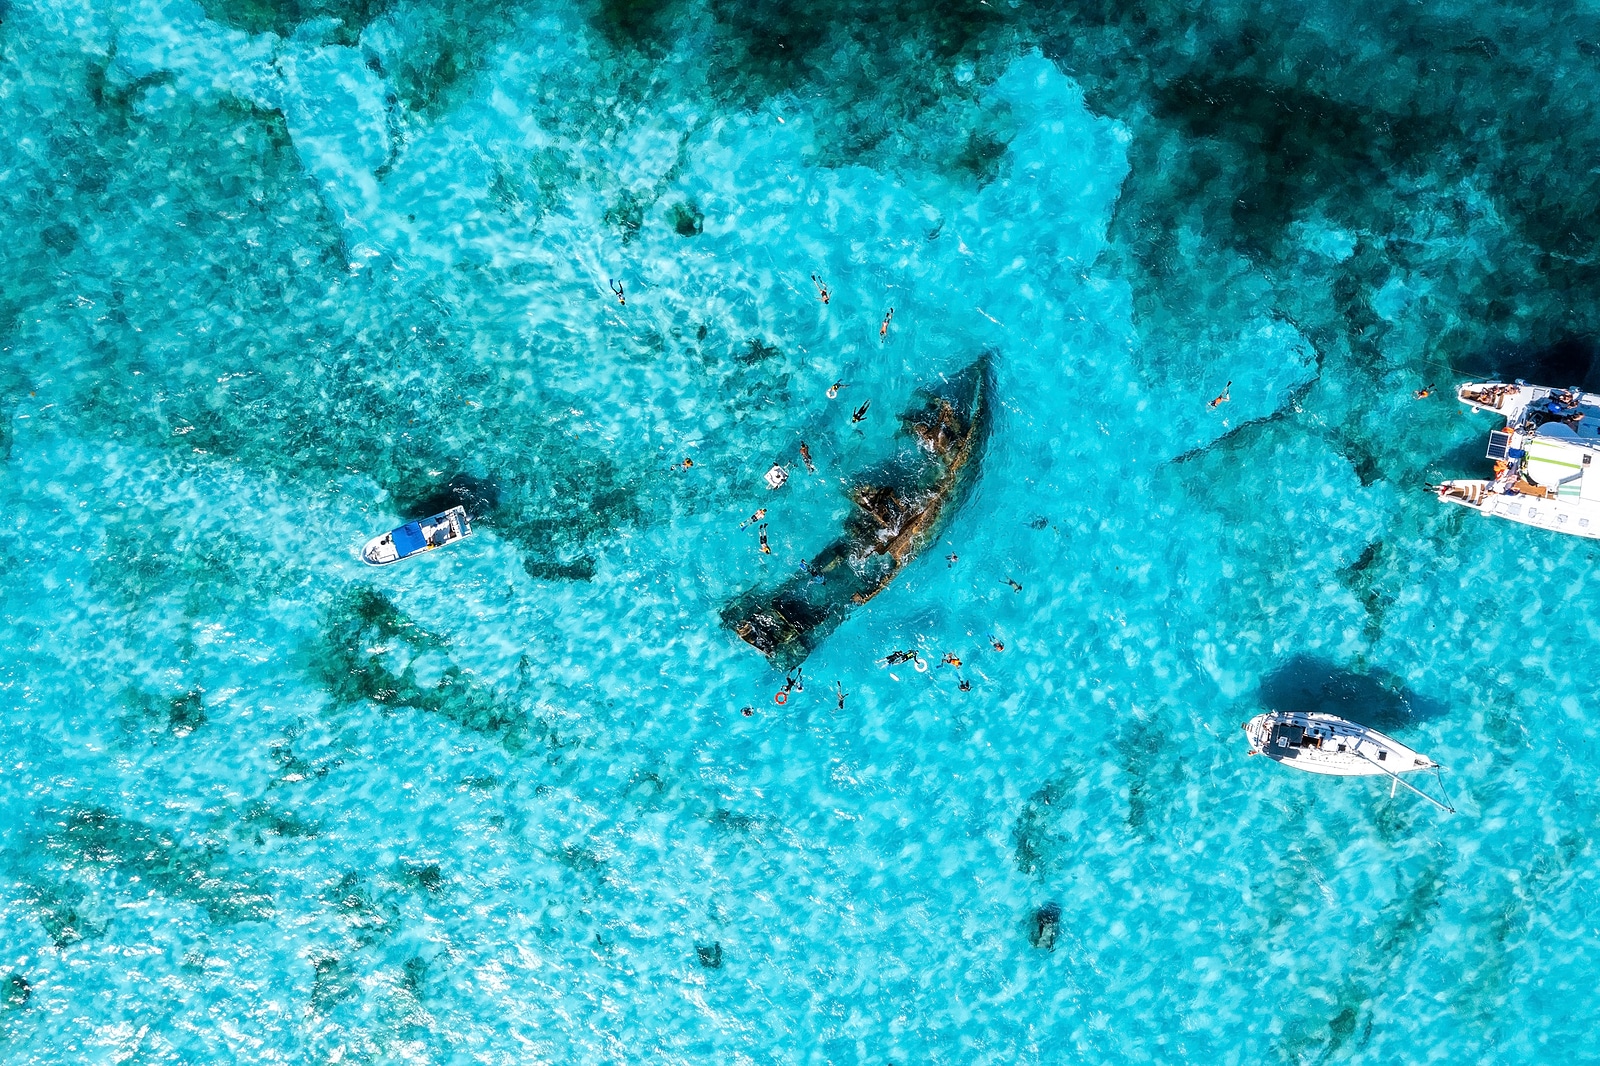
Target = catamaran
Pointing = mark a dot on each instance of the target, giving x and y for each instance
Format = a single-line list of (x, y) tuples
[(416, 538), (1546, 473), (1326, 744)]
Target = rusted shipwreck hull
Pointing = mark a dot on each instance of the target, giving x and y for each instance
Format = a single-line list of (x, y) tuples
[(900, 509)]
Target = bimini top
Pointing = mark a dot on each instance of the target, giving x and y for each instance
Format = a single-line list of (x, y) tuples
[(416, 538)]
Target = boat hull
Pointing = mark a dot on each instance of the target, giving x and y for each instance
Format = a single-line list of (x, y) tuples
[(417, 538), (1326, 744)]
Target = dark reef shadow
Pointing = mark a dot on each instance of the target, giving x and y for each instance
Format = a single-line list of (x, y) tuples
[(1308, 683), (1569, 361), (480, 496)]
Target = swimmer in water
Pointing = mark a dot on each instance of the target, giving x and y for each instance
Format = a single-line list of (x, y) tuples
[(616, 290), (758, 516), (951, 558), (687, 462), (1423, 393), (950, 660), (833, 390), (842, 694), (895, 658), (1014, 586), (822, 289), (861, 412), (748, 711), (794, 684), (761, 531), (805, 455), (965, 686), (1224, 398), (996, 644), (883, 330)]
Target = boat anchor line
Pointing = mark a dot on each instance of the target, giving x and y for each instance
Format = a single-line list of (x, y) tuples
[(1396, 779)]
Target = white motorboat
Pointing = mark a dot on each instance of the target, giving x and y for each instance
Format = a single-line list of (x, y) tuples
[(1546, 471), (1325, 744), (416, 538)]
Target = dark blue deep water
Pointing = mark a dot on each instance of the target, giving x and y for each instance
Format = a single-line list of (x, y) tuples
[(278, 274)]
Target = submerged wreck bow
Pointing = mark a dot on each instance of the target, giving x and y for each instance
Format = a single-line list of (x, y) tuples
[(900, 509)]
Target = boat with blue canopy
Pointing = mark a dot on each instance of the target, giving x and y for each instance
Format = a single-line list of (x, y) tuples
[(418, 537)]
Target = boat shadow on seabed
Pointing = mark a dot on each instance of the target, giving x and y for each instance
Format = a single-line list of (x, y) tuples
[(900, 509)]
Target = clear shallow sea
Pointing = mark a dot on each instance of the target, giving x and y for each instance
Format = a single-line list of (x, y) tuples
[(275, 277)]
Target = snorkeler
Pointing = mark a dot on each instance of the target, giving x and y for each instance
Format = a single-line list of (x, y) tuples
[(950, 660), (758, 516), (951, 559), (996, 644), (883, 330), (616, 290), (833, 390), (861, 412), (1014, 586), (761, 531), (805, 455), (965, 686), (842, 693), (822, 288), (794, 684), (1423, 393), (1222, 399), (895, 658), (687, 462)]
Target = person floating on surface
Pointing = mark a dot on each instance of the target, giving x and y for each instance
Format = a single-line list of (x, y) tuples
[(761, 531), (1222, 399), (833, 390), (758, 516), (842, 693), (805, 457), (997, 645), (822, 288), (1014, 586), (883, 330), (965, 686), (794, 684), (895, 658), (861, 412), (616, 290), (950, 660), (951, 558), (1423, 393), (687, 462)]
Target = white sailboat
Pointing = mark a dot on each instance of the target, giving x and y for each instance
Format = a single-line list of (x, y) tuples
[(1546, 471), (1326, 744)]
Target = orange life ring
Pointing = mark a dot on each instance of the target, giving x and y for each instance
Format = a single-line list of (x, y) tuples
[(781, 698)]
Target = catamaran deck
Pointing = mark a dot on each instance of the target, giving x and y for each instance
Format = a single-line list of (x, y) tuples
[(1546, 470)]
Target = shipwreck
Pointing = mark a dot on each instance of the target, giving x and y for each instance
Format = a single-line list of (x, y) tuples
[(900, 509)]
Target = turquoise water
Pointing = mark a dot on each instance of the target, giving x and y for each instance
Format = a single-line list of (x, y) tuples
[(277, 276)]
